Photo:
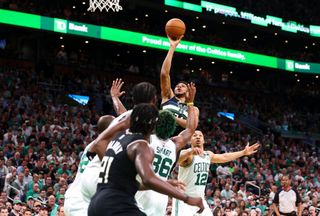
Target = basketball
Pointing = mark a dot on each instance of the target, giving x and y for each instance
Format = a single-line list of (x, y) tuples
[(175, 28)]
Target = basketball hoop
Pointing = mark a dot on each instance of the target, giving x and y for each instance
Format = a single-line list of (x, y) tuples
[(104, 5)]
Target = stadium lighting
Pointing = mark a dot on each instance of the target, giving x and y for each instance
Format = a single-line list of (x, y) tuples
[(204, 26), (193, 30), (275, 33), (255, 36), (61, 38), (147, 15), (317, 77), (190, 59), (244, 39)]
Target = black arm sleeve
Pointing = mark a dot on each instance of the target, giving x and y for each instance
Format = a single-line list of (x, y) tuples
[(276, 198), (298, 200)]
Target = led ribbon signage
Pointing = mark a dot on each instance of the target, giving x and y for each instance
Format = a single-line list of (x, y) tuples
[(210, 7), (146, 40)]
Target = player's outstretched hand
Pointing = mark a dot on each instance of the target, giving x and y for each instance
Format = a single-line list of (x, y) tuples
[(249, 150), (197, 151), (115, 90), (175, 43), (195, 201), (191, 92)]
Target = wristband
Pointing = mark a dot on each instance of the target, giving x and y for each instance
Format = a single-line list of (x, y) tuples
[(190, 104), (90, 155)]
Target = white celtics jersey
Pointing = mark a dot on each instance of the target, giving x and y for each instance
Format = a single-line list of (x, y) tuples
[(89, 181), (75, 202), (88, 184), (74, 189), (195, 176), (164, 158)]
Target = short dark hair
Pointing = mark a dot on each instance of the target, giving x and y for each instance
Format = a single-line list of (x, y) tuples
[(183, 82), (166, 125), (143, 118), (144, 92), (104, 122)]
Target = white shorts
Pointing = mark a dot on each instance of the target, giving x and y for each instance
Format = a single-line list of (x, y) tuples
[(152, 203), (75, 206), (179, 208)]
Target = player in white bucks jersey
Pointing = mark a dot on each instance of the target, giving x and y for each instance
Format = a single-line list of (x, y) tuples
[(76, 202), (165, 150), (194, 165)]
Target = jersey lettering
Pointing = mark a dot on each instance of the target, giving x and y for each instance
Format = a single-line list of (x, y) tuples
[(201, 167), (115, 146), (164, 151)]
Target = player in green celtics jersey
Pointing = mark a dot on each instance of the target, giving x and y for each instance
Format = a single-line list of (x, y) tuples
[(194, 164), (174, 101)]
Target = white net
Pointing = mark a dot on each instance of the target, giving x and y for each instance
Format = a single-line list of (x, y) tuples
[(104, 5)]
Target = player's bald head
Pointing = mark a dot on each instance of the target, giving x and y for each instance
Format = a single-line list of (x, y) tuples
[(104, 122)]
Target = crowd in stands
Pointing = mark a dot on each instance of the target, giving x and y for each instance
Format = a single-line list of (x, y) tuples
[(42, 137), (221, 36)]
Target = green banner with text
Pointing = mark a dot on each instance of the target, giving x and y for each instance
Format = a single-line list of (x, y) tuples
[(157, 42)]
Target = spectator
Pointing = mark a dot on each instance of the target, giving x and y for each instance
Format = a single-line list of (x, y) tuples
[(43, 196), (4, 211), (17, 205), (36, 207), (43, 211), (3, 173), (60, 211), (53, 207), (30, 202), (61, 183), (19, 184), (227, 193)]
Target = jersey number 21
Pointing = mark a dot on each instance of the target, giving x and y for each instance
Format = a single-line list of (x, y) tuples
[(105, 168)]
